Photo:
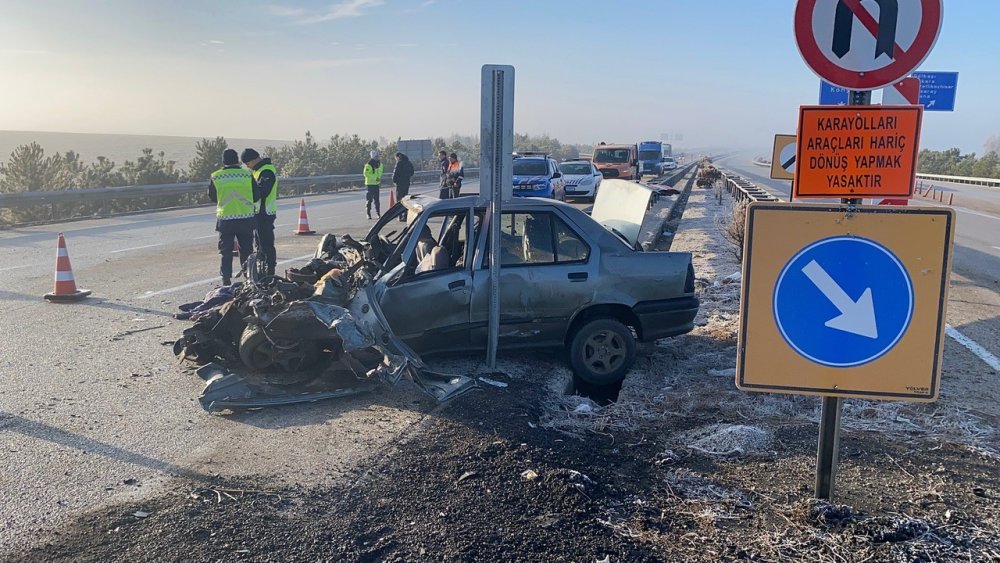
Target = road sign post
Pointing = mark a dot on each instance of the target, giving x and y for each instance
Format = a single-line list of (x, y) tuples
[(496, 181)]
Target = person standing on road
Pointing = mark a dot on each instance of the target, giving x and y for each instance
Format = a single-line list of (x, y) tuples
[(232, 188), (443, 166), (266, 206), (373, 179), (456, 172), (402, 173)]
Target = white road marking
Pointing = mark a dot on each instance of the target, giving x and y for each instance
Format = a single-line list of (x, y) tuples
[(15, 267), (136, 248), (149, 294), (973, 347), (206, 236), (997, 247)]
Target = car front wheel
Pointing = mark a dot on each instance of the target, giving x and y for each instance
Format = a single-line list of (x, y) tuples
[(602, 351)]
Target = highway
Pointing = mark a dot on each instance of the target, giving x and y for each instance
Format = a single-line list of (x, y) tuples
[(974, 298), (93, 408)]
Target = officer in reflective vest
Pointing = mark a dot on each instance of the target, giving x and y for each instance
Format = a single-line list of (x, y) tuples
[(266, 177), (373, 179), (232, 190)]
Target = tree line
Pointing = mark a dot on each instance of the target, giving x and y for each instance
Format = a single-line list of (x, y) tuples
[(952, 162), (30, 169)]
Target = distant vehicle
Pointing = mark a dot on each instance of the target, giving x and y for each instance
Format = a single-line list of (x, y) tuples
[(617, 161), (669, 163), (668, 149), (582, 178), (651, 158), (538, 175)]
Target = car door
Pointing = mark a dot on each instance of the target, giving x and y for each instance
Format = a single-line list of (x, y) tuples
[(548, 272), (558, 181), (428, 305)]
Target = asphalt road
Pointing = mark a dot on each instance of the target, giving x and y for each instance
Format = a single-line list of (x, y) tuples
[(974, 296), (93, 409)]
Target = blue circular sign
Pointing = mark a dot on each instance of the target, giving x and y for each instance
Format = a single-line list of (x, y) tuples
[(843, 301)]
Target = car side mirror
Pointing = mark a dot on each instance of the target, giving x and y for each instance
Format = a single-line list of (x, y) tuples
[(557, 175)]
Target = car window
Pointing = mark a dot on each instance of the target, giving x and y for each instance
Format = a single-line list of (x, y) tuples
[(538, 238), (529, 167), (576, 168), (442, 244)]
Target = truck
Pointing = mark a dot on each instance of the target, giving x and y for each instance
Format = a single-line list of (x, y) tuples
[(650, 158), (617, 161)]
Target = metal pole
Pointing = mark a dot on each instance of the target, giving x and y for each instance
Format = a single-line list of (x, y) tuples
[(828, 448), (496, 180)]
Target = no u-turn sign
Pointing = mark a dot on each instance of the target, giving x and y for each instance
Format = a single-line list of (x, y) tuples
[(866, 44)]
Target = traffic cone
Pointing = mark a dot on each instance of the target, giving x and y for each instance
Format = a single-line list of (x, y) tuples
[(65, 289), (392, 197), (303, 228)]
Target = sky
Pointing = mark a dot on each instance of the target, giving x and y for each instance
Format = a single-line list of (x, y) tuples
[(718, 72)]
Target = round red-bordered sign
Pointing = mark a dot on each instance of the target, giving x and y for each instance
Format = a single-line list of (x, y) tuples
[(828, 69)]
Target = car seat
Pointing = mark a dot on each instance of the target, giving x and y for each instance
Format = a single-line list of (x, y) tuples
[(537, 240)]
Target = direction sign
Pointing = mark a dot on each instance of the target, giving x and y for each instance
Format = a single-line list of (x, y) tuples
[(937, 90), (844, 302), (903, 93), (783, 157), (830, 95), (846, 44), (856, 151)]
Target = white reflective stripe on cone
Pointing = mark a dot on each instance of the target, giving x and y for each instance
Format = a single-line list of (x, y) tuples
[(62, 252), (64, 276)]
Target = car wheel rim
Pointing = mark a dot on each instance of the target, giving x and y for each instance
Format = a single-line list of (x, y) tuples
[(604, 352)]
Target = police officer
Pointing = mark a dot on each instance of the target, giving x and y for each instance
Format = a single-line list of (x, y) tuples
[(266, 207), (232, 190), (443, 166), (373, 179)]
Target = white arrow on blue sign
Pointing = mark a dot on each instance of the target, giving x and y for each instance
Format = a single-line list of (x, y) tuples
[(937, 90), (843, 301)]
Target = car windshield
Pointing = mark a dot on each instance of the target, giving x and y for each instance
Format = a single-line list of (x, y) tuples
[(575, 168), (530, 167), (649, 155), (611, 155)]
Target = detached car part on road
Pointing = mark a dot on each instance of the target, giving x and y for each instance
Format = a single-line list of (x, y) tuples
[(422, 287)]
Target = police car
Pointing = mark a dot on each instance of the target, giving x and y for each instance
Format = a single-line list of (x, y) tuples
[(582, 178), (538, 175)]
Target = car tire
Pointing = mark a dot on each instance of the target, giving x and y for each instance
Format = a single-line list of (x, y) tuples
[(259, 354), (602, 351)]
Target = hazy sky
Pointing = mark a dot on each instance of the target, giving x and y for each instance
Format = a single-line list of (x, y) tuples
[(720, 72)]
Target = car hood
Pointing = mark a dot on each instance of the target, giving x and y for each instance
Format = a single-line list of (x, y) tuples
[(530, 179), (574, 179), (621, 205)]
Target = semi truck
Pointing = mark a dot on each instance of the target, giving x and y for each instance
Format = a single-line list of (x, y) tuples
[(651, 158)]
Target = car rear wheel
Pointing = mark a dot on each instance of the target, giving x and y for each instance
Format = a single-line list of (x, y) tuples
[(602, 351)]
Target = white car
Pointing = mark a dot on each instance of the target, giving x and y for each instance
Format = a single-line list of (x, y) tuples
[(669, 163), (582, 178)]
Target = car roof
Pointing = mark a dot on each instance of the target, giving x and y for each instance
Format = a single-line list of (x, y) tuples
[(425, 202)]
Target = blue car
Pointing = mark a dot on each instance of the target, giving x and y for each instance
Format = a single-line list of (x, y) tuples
[(538, 175)]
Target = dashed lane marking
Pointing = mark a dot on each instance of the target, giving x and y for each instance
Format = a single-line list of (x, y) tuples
[(974, 347), (136, 248)]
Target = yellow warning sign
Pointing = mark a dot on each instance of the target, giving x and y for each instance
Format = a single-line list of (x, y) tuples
[(846, 302), (783, 158)]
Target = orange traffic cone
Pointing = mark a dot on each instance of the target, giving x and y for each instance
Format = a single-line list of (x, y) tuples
[(303, 228), (392, 197), (65, 289)]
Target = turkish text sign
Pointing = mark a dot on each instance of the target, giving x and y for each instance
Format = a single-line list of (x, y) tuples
[(937, 90), (856, 151), (846, 302)]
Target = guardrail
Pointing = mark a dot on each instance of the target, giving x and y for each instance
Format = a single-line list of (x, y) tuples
[(103, 197), (990, 182), (744, 190)]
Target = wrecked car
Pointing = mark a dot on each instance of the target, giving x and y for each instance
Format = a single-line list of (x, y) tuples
[(567, 280)]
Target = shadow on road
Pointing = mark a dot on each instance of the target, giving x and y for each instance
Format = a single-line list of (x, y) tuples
[(39, 430)]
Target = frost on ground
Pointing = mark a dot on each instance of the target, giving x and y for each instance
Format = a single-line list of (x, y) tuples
[(694, 373)]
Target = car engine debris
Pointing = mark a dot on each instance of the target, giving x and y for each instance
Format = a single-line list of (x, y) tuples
[(316, 334)]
